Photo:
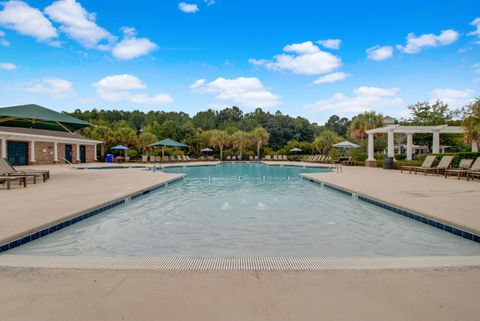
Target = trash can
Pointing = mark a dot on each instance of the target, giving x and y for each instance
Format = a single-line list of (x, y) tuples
[(109, 158), (388, 163)]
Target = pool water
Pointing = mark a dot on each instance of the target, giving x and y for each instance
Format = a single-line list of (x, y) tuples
[(234, 210)]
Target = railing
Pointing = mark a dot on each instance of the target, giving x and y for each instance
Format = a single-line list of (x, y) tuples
[(66, 161)]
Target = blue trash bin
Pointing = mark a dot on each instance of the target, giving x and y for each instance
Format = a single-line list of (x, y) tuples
[(109, 158)]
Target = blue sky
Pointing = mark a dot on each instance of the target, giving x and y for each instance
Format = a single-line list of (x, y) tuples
[(307, 58)]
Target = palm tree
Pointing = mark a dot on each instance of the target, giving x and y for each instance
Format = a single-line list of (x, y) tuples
[(146, 139), (260, 136), (125, 136), (240, 140), (219, 138), (323, 143), (471, 122), (104, 134), (363, 122)]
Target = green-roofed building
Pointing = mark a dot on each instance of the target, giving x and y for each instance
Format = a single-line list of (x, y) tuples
[(35, 135)]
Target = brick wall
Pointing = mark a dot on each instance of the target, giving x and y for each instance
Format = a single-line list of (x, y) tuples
[(61, 152), (89, 153), (44, 153)]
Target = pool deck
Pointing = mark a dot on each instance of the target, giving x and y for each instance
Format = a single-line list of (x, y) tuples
[(69, 193), (39, 290), (448, 200)]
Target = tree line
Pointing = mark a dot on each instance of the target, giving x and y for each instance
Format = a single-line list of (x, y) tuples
[(232, 132)]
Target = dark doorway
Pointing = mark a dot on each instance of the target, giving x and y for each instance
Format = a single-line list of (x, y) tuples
[(68, 153), (17, 153), (83, 158)]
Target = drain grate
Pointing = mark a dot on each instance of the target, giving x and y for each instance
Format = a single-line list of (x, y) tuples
[(154, 263)]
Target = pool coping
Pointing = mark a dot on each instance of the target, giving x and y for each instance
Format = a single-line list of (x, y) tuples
[(270, 264), (58, 224), (443, 225)]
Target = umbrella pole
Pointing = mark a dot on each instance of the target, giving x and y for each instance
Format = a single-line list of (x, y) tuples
[(163, 152)]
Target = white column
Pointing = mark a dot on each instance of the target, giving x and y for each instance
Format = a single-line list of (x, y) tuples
[(436, 142), (371, 148), (32, 151), (409, 146), (391, 144), (4, 147), (55, 152), (78, 152), (474, 146), (95, 152)]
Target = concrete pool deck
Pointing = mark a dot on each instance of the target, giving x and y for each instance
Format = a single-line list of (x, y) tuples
[(70, 192), (449, 200)]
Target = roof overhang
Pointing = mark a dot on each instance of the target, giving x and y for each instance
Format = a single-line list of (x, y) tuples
[(442, 129), (46, 138)]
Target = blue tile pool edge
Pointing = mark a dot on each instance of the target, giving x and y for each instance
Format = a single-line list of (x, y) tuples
[(80, 217), (406, 213)]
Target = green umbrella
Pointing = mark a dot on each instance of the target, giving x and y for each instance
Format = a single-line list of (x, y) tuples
[(34, 116), (168, 142)]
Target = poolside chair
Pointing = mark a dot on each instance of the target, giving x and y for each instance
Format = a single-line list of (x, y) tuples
[(463, 167), (188, 158), (179, 157), (152, 159), (184, 158), (172, 158), (474, 171), (319, 158), (9, 179), (6, 169), (144, 159), (427, 163), (250, 158), (284, 157), (255, 157), (229, 158), (268, 157), (275, 157), (443, 165)]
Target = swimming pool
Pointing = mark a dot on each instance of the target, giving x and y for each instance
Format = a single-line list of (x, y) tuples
[(237, 210)]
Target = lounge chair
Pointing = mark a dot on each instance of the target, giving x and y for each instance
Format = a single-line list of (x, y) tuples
[(172, 159), (473, 174), (144, 159), (152, 159), (275, 157), (320, 158), (250, 158), (255, 157), (6, 169), (463, 167), (9, 179), (474, 171), (427, 163), (284, 157), (268, 157), (179, 157), (188, 158), (443, 165)]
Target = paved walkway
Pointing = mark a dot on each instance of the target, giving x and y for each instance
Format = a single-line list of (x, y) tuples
[(455, 202), (398, 295), (68, 193)]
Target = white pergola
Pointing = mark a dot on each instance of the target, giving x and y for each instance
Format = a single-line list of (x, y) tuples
[(391, 130)]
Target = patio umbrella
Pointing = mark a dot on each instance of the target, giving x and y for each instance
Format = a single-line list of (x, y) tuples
[(206, 150), (295, 150), (345, 145), (38, 117), (167, 142), (121, 147)]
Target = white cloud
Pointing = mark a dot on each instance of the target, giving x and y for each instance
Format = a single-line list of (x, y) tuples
[(188, 7), (7, 66), (131, 46), (197, 84), (209, 2), (306, 59), (476, 24), (416, 44), (330, 43), (379, 52), (123, 87), (55, 87), (3, 42), (453, 97), (365, 98), (19, 16), (79, 24), (244, 91), (336, 76)]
